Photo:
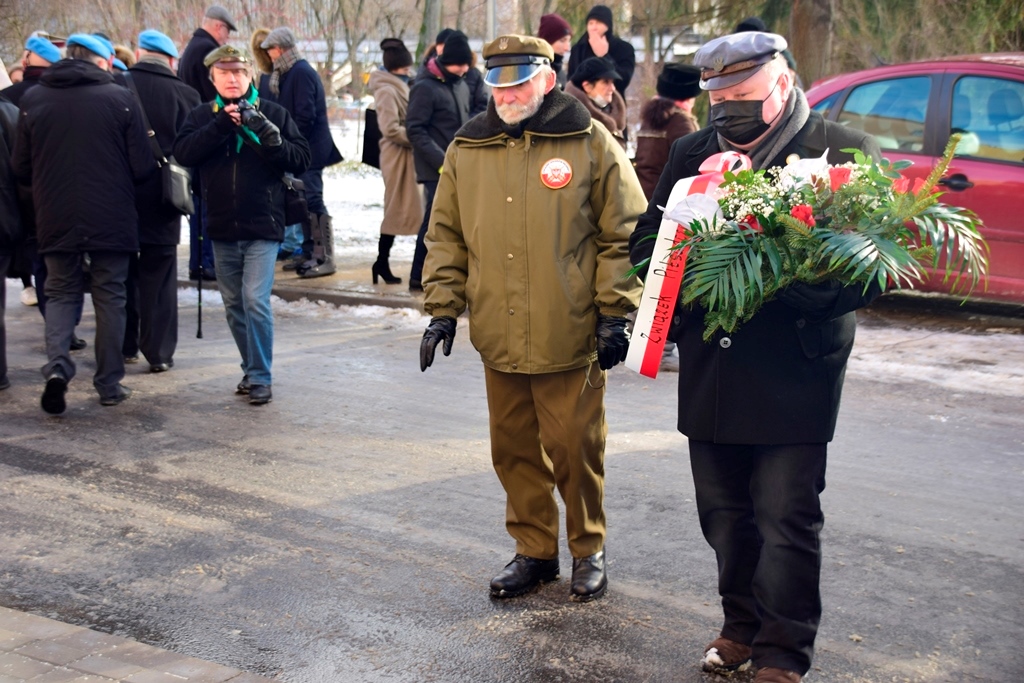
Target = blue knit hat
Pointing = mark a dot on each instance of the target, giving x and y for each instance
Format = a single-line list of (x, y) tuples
[(154, 41), (43, 48), (90, 43)]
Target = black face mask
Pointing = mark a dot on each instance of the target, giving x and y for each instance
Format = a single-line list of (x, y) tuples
[(740, 121)]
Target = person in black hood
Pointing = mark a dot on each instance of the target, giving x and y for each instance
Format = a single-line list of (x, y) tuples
[(241, 163), (82, 149), (600, 41)]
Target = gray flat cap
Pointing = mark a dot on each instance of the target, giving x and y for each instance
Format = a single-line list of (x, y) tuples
[(280, 37), (736, 57), (220, 14)]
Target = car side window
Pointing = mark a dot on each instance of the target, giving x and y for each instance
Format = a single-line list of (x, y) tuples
[(893, 111), (825, 106), (989, 112)]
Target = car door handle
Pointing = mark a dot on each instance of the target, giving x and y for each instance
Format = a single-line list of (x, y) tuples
[(957, 182)]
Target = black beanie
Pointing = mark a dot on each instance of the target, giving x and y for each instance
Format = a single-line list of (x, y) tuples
[(396, 55), (679, 82), (443, 36), (456, 50), (593, 69), (751, 24), (602, 14)]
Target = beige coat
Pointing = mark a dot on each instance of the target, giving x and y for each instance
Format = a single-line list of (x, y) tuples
[(403, 202), (534, 264)]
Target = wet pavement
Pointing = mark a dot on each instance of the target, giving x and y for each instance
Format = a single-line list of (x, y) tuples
[(348, 530)]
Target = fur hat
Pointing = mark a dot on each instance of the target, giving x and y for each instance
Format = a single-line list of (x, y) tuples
[(593, 69), (395, 54), (679, 82), (260, 56)]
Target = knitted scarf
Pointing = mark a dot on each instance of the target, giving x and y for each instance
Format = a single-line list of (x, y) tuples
[(793, 119), (287, 60), (252, 97)]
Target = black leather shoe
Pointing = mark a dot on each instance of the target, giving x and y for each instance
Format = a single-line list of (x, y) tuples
[(415, 286), (589, 581), (244, 386), (161, 367), (53, 395), (522, 575), (77, 344), (259, 394), (120, 395)]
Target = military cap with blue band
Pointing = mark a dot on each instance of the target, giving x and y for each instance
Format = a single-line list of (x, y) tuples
[(90, 43), (513, 59), (734, 58), (43, 48), (154, 41)]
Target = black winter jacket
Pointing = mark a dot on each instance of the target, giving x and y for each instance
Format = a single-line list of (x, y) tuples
[(479, 92), (10, 215), (191, 68), (82, 149), (778, 378), (242, 188), (619, 51), (167, 102), (439, 104), (30, 79), (302, 94)]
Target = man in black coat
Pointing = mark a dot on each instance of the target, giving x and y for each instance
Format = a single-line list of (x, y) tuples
[(39, 55), (215, 31), (241, 167), (10, 219), (153, 282), (759, 405), (296, 86), (600, 41), (82, 148), (439, 104)]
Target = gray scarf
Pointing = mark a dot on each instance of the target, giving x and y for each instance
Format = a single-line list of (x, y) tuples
[(289, 58), (793, 119)]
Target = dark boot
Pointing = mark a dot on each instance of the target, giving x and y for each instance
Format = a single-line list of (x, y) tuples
[(589, 580), (522, 575), (322, 262), (382, 268)]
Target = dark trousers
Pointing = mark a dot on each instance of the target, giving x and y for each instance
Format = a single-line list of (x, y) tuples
[(39, 275), (65, 288), (420, 255), (759, 509), (314, 182), (5, 262), (152, 308), (197, 223)]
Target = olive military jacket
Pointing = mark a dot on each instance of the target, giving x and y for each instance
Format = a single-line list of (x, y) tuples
[(532, 235)]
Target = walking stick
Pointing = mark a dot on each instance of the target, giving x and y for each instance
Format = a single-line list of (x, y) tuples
[(199, 288)]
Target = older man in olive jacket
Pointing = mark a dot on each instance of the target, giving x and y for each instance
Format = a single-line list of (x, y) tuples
[(530, 230)]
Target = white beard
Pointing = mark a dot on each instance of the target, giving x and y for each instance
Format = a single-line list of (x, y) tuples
[(512, 114)]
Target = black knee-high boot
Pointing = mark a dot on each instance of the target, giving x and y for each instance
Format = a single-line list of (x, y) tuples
[(381, 268)]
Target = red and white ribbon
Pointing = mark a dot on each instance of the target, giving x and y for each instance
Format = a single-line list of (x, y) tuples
[(691, 199)]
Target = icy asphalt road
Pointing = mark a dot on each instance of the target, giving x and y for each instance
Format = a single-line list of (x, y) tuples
[(347, 531)]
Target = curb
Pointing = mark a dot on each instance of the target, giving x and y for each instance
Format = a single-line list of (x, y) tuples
[(330, 296)]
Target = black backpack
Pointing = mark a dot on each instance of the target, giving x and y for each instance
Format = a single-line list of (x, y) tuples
[(371, 140)]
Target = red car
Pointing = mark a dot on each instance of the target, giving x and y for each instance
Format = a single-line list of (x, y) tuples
[(912, 109)]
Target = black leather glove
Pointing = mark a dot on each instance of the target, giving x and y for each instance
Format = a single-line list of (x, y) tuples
[(440, 328), (815, 302), (612, 341), (267, 132)]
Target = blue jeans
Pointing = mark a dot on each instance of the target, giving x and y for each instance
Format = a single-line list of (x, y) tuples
[(245, 276)]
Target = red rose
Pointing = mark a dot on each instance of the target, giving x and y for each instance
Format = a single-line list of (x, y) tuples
[(901, 186), (838, 176), (803, 213), (918, 184), (750, 221)]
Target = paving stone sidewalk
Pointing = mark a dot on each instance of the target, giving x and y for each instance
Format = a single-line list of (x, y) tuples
[(41, 650)]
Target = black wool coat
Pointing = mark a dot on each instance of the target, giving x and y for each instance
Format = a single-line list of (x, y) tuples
[(30, 79), (10, 215), (167, 102), (302, 94), (778, 379), (82, 148), (438, 107), (242, 188), (191, 69)]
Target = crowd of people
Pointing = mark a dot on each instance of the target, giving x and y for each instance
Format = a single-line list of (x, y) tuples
[(528, 213)]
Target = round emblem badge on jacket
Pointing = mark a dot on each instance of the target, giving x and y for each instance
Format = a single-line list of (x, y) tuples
[(556, 173)]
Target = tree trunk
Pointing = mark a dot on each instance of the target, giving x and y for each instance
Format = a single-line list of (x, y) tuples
[(810, 33), (431, 25)]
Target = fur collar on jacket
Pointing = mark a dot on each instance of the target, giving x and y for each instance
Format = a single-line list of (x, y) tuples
[(559, 114), (614, 119), (658, 112)]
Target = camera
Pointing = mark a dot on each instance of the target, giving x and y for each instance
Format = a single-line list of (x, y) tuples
[(250, 115), (260, 125)]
